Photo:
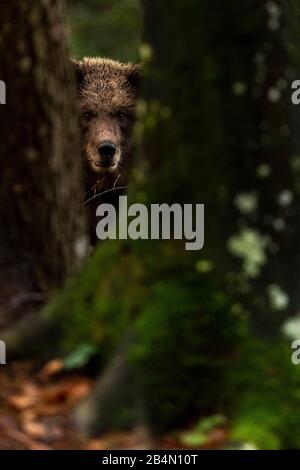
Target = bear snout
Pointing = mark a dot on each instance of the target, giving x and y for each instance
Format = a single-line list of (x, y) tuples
[(107, 150)]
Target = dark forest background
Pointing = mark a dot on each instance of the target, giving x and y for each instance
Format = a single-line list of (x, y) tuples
[(193, 349)]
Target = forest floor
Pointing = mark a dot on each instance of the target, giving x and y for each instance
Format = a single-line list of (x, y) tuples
[(35, 405)]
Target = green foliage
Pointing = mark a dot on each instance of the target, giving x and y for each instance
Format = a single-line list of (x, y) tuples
[(97, 306), (80, 356), (268, 397), (187, 332), (187, 338), (193, 354), (105, 28), (199, 435)]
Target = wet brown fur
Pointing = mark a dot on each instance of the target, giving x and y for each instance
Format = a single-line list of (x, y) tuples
[(107, 95)]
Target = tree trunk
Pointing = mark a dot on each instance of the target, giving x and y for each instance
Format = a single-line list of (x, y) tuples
[(42, 230)]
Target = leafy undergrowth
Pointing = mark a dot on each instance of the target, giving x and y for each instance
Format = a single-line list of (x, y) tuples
[(35, 405)]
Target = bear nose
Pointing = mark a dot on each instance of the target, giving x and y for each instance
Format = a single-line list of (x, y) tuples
[(107, 151)]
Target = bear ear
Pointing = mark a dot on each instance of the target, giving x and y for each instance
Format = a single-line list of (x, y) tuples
[(134, 75), (78, 69)]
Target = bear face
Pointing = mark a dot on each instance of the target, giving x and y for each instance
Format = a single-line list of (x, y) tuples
[(107, 92)]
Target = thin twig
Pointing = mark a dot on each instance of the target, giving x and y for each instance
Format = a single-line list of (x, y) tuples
[(93, 187), (104, 192), (116, 181)]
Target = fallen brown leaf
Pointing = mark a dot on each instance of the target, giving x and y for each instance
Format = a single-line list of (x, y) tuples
[(35, 429), (51, 368), (21, 402)]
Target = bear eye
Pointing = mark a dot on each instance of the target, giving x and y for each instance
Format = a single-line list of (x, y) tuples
[(121, 116), (87, 115)]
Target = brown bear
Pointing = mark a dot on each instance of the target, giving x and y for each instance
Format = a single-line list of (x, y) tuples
[(107, 93)]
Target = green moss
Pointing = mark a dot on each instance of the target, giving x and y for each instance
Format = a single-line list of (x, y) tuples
[(98, 305), (267, 387), (186, 331)]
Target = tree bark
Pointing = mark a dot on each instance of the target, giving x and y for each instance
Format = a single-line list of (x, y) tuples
[(42, 229)]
